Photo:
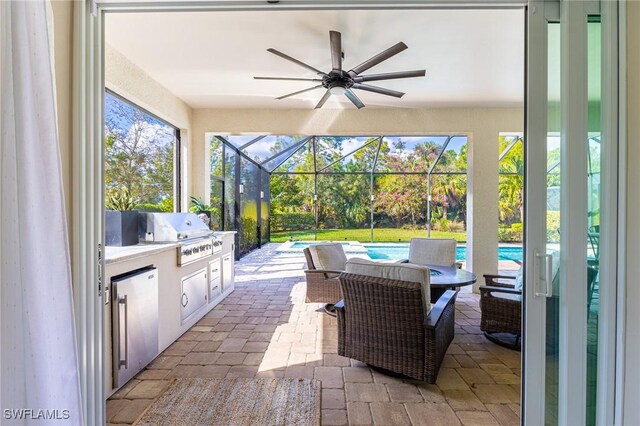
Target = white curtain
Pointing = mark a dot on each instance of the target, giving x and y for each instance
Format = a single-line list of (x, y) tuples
[(39, 363)]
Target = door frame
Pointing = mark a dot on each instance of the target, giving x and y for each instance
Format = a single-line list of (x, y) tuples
[(88, 173)]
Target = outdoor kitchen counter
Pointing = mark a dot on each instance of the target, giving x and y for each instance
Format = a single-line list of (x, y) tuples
[(120, 254)]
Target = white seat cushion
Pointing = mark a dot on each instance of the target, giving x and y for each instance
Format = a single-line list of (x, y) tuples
[(395, 271), (432, 251), (509, 296), (329, 256), (519, 280)]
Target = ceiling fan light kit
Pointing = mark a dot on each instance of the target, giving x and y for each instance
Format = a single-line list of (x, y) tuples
[(339, 82)]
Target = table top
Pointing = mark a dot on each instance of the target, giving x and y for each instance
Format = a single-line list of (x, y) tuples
[(445, 276)]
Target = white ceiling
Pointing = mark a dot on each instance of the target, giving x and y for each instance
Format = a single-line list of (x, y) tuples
[(208, 59)]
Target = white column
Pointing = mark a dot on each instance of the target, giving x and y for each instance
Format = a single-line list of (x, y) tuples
[(482, 204)]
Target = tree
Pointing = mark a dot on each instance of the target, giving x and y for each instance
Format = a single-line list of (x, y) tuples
[(139, 153), (511, 182)]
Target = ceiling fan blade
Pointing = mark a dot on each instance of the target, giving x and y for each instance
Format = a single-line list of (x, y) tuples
[(383, 56), (353, 98), (287, 78), (389, 76), (295, 61), (376, 89), (336, 49), (326, 96), (299, 91)]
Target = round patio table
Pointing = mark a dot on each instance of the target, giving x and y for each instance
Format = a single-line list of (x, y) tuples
[(445, 278)]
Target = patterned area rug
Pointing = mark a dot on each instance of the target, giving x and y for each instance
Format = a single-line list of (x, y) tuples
[(236, 402)]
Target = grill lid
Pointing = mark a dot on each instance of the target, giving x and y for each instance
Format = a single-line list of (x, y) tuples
[(172, 227)]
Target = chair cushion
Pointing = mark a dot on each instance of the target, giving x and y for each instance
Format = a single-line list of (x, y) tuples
[(509, 296), (519, 280), (395, 271), (432, 251), (328, 256)]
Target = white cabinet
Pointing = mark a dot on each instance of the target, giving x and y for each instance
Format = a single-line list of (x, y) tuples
[(215, 279), (227, 272), (195, 294)]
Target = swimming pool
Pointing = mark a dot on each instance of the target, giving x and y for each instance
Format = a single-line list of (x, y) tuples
[(401, 251), (398, 251)]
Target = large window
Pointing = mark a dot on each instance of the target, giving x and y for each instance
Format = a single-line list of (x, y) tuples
[(140, 157)]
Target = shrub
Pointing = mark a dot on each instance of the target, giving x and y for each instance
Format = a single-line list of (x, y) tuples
[(121, 201), (292, 221), (508, 235), (166, 205), (553, 227), (149, 207), (249, 237), (411, 226), (512, 234), (455, 226), (517, 227)]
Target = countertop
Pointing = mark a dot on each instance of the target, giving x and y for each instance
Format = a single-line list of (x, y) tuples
[(120, 254)]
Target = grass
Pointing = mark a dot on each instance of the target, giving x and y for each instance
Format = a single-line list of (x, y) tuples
[(380, 235)]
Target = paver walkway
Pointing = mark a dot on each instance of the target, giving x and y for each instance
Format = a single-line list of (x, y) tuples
[(264, 329)]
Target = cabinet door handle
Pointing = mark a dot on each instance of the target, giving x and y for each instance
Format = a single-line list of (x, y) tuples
[(184, 300), (123, 301)]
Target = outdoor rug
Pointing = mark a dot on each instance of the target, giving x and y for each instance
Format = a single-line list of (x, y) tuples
[(236, 402)]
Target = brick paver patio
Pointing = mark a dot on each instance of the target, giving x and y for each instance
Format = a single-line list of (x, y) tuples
[(264, 329)]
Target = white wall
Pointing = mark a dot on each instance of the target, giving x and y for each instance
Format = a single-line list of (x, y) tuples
[(632, 347), (483, 125)]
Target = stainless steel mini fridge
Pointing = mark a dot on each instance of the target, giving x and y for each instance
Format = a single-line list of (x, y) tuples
[(134, 323)]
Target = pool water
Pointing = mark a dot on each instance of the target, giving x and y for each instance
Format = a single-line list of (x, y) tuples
[(401, 251)]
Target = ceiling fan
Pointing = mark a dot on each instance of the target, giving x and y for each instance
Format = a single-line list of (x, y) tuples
[(340, 82)]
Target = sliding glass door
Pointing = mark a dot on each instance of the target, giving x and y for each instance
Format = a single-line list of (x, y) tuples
[(568, 156)]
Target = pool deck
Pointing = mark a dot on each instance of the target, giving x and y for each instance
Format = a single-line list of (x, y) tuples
[(264, 329)]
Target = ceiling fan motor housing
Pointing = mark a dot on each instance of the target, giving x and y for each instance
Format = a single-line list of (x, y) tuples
[(337, 78)]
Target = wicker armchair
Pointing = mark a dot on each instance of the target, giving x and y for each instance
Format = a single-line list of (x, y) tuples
[(501, 306), (382, 322), (323, 286)]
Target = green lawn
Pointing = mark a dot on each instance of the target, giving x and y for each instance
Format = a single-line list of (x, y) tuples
[(381, 235)]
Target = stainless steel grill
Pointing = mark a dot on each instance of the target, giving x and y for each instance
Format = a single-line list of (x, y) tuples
[(196, 240), (172, 227)]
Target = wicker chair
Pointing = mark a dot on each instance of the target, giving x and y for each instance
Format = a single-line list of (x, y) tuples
[(382, 322), (323, 285), (501, 307)]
